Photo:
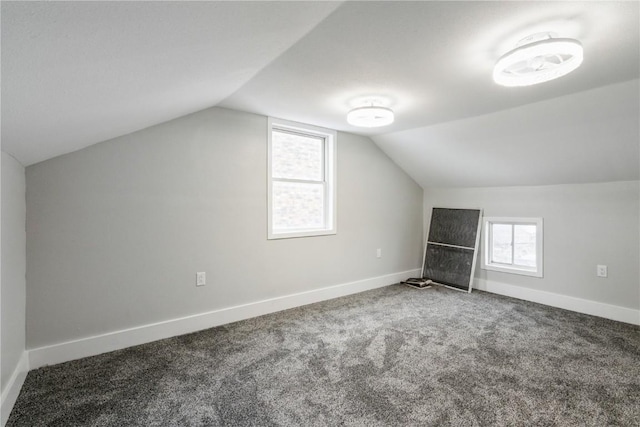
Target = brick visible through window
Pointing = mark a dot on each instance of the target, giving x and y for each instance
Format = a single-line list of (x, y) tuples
[(301, 180)]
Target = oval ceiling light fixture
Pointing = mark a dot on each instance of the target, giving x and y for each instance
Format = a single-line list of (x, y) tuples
[(370, 117), (536, 59)]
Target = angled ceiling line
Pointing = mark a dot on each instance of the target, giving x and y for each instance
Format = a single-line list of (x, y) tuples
[(292, 45)]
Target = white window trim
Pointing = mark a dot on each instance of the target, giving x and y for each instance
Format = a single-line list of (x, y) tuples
[(513, 269), (330, 160)]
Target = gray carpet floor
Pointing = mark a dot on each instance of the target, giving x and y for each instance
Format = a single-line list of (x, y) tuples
[(387, 357)]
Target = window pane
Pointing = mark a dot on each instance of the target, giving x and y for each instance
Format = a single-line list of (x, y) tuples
[(524, 240), (501, 243), (297, 206), (297, 156)]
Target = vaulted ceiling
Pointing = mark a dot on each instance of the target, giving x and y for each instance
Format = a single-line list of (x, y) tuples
[(78, 73)]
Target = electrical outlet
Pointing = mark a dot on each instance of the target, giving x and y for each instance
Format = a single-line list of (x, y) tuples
[(201, 278), (601, 271), (379, 253)]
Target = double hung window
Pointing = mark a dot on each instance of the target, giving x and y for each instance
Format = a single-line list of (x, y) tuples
[(301, 172)]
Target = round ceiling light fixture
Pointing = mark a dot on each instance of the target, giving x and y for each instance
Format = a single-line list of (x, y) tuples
[(370, 117), (536, 59)]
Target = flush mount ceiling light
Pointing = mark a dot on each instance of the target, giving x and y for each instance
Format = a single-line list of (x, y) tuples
[(370, 117), (536, 59)]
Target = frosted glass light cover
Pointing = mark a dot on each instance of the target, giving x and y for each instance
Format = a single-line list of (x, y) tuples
[(370, 117), (538, 62)]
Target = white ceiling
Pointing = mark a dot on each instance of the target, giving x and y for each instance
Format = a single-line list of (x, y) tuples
[(77, 73), (591, 136)]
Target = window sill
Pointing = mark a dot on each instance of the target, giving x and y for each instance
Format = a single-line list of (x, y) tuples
[(296, 234), (512, 270)]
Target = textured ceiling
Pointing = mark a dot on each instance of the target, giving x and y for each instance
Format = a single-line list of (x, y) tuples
[(77, 73)]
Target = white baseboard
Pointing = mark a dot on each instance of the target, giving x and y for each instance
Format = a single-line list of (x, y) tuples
[(608, 311), (12, 389), (92, 346)]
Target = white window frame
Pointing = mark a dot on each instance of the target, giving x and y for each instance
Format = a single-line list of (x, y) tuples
[(329, 162), (487, 264)]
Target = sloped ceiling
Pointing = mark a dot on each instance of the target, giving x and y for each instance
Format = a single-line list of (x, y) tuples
[(590, 136), (77, 73)]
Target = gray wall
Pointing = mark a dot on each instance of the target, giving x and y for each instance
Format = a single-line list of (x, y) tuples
[(13, 265), (117, 231), (584, 225)]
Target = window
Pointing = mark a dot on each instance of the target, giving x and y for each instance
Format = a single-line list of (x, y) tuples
[(513, 245), (301, 168)]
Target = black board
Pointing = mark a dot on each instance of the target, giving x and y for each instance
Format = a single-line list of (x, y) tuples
[(452, 246)]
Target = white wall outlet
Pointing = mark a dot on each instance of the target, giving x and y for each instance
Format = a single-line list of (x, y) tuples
[(201, 278), (601, 271), (379, 253)]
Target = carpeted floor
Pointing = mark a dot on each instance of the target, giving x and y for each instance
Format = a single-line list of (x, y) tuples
[(392, 356)]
